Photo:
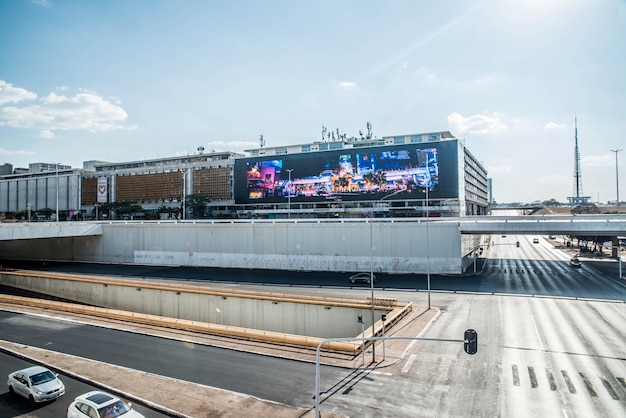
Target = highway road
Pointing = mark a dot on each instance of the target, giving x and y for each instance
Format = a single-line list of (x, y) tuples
[(14, 406), (551, 342)]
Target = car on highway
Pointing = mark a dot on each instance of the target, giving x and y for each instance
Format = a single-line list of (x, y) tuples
[(535, 240), (97, 404), (36, 383), (361, 278), (575, 262)]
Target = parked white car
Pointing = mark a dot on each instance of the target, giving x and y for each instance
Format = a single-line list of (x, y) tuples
[(97, 404), (36, 384)]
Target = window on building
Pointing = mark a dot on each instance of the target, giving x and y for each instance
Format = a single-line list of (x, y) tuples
[(281, 150), (306, 148)]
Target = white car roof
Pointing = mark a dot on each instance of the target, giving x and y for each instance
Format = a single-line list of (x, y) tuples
[(97, 397), (31, 371)]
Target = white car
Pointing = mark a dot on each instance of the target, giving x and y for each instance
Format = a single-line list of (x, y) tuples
[(98, 404), (36, 384)]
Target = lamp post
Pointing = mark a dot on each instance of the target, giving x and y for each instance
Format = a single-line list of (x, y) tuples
[(372, 286), (184, 191), (427, 248), (372, 272), (617, 178), (57, 176), (619, 247), (289, 170)]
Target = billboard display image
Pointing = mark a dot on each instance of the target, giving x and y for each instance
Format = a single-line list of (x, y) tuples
[(349, 174)]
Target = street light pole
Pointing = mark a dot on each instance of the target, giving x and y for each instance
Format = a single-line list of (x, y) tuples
[(619, 246), (184, 191), (289, 170), (372, 270), (427, 248), (57, 175), (617, 177), (372, 286)]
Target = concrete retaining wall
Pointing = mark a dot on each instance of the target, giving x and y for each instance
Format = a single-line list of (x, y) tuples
[(308, 316), (392, 246)]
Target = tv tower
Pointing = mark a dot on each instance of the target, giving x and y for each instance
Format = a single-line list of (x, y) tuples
[(577, 199)]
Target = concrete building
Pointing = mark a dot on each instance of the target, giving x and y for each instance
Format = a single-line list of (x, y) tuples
[(416, 175)]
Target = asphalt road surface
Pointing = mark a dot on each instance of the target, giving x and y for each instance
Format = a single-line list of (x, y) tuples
[(16, 406), (551, 341)]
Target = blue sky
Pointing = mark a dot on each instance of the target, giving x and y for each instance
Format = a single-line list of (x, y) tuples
[(131, 80)]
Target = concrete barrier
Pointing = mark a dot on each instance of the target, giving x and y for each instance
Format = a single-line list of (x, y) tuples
[(333, 315)]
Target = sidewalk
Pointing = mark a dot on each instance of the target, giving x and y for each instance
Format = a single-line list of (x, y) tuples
[(185, 399)]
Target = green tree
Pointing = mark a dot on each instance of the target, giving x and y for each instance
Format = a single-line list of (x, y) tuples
[(196, 204), (552, 202)]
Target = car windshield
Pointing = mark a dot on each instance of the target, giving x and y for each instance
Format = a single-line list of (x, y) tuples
[(113, 410), (42, 377)]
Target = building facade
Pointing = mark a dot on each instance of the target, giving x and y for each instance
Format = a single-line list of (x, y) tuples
[(428, 174)]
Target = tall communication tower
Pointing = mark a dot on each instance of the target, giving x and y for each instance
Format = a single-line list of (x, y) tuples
[(578, 198)]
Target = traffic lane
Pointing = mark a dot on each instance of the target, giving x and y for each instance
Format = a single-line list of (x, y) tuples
[(508, 270), (16, 406), (280, 380)]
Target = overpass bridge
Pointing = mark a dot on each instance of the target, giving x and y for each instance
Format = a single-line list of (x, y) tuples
[(574, 225), (578, 225), (384, 245), (10, 231)]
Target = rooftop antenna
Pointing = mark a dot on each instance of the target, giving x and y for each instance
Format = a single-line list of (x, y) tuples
[(369, 131), (261, 141), (200, 149), (324, 130)]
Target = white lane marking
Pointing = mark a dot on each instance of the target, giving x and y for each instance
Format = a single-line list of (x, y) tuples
[(408, 364)]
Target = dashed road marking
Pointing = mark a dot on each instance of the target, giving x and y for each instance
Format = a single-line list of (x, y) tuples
[(515, 375), (408, 364)]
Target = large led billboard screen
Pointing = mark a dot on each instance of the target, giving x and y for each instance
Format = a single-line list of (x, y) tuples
[(350, 174)]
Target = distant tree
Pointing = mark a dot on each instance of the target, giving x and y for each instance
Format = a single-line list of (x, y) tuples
[(196, 204), (21, 215), (551, 202), (47, 212), (172, 212)]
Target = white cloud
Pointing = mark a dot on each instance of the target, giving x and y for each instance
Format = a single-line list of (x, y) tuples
[(347, 85), (46, 134), (15, 152), (10, 94), (220, 146), (554, 125), (499, 169), (83, 111), (598, 160), (476, 124)]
